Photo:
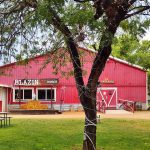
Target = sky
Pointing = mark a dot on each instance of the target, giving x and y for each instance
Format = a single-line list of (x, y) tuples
[(147, 36)]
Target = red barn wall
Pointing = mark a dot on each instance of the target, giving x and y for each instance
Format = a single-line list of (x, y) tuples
[(129, 81)]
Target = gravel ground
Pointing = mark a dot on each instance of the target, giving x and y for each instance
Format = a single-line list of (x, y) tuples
[(80, 115)]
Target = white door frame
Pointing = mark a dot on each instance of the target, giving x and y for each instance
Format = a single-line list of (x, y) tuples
[(108, 88), (3, 97)]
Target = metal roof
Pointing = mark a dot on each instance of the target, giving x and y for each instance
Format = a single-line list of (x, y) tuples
[(117, 59), (91, 50)]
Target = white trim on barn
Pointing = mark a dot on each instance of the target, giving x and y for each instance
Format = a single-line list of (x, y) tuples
[(117, 59), (92, 50), (3, 97), (7, 97), (125, 62), (4, 85), (99, 90), (22, 88)]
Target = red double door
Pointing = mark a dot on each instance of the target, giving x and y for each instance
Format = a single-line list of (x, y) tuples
[(108, 95)]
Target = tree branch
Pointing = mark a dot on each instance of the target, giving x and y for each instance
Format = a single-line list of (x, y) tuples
[(115, 14), (139, 7), (20, 6), (2, 1), (143, 8), (56, 21), (82, 1), (131, 2)]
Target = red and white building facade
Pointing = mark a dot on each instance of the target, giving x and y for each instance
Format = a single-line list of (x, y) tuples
[(119, 80)]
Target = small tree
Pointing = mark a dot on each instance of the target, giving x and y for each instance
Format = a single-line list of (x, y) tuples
[(70, 22), (133, 50)]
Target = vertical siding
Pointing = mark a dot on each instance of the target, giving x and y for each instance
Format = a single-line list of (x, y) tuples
[(132, 93), (130, 81), (70, 95)]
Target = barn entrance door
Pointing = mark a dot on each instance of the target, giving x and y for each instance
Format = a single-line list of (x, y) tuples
[(2, 99), (108, 95)]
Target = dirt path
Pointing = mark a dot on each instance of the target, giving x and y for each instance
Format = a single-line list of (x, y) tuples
[(78, 115)]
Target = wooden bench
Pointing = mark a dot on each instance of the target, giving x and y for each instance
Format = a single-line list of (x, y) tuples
[(6, 120), (9, 118), (1, 120)]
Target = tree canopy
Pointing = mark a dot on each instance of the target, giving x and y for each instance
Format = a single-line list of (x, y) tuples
[(37, 26), (24, 22)]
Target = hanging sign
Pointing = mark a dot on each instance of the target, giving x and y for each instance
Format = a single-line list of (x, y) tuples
[(48, 81), (34, 82), (107, 81)]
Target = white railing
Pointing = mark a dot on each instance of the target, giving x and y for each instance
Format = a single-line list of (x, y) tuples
[(127, 105)]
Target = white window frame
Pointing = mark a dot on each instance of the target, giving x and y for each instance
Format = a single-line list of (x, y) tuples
[(22, 88), (46, 89)]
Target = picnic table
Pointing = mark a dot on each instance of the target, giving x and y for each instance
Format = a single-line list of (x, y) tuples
[(5, 118)]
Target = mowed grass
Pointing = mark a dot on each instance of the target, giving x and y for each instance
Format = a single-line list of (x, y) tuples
[(67, 134)]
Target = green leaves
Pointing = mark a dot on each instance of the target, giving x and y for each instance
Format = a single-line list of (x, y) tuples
[(32, 29), (79, 14), (128, 48), (135, 27)]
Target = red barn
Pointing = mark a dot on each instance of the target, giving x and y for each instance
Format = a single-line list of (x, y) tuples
[(20, 83)]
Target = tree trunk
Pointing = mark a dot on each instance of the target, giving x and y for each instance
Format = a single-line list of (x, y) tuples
[(87, 93), (89, 105), (89, 141)]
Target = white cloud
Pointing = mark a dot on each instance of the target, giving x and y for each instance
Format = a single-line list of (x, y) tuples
[(147, 35)]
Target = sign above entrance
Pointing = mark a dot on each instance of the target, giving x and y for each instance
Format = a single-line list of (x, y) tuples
[(107, 81), (34, 82), (48, 81)]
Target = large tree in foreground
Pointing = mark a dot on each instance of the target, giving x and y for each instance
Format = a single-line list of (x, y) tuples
[(36, 24)]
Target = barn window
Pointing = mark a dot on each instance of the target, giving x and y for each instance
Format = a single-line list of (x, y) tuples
[(27, 94), (18, 94), (46, 94), (23, 94)]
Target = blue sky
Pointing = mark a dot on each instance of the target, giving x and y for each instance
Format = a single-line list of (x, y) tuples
[(146, 37)]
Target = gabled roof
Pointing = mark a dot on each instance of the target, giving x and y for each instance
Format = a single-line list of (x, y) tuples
[(117, 59), (13, 63), (128, 63), (90, 50)]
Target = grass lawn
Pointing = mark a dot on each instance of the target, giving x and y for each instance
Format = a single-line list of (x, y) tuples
[(67, 134)]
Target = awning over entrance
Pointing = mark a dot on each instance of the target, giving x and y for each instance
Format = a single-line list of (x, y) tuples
[(4, 85)]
